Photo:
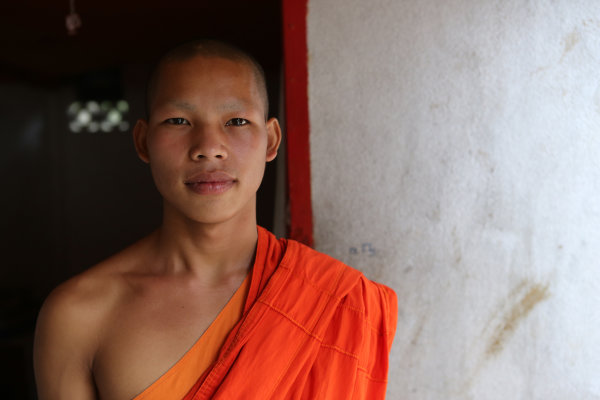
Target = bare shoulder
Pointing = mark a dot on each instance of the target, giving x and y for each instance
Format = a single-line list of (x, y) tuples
[(70, 326), (74, 304), (80, 304)]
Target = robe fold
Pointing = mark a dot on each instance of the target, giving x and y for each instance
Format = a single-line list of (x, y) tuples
[(312, 328)]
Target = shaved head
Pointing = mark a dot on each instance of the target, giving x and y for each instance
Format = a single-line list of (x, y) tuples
[(208, 49)]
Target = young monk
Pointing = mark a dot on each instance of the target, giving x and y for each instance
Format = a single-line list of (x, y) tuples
[(210, 305)]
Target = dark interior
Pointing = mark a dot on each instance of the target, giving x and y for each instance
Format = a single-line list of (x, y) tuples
[(70, 199)]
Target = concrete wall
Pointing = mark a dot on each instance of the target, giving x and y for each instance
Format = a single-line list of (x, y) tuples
[(455, 150)]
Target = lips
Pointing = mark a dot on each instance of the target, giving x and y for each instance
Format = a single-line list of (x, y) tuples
[(210, 182)]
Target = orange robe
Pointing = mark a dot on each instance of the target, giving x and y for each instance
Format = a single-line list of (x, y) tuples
[(311, 328)]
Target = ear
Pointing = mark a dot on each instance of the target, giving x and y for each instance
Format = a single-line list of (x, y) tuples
[(273, 138), (140, 134)]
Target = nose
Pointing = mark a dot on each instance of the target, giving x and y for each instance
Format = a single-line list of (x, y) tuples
[(208, 143)]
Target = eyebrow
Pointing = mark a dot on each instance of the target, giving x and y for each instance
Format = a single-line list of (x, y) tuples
[(234, 105), (182, 105), (231, 105)]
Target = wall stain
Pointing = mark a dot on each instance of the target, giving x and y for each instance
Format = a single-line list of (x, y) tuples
[(534, 294), (517, 305), (539, 70), (569, 42)]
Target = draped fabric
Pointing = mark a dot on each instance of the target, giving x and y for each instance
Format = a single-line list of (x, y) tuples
[(312, 328)]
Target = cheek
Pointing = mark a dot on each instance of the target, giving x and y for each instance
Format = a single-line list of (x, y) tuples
[(252, 159), (164, 147), (251, 146), (165, 160)]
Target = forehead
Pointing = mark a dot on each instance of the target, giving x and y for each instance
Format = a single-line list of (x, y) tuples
[(201, 75)]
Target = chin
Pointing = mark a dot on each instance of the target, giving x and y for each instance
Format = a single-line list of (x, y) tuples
[(210, 220), (215, 211), (213, 216)]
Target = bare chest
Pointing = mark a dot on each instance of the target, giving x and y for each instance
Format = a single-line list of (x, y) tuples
[(147, 334)]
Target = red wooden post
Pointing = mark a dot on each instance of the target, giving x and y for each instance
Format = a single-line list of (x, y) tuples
[(295, 54)]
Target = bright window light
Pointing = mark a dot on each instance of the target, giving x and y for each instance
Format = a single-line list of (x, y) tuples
[(84, 117), (98, 116)]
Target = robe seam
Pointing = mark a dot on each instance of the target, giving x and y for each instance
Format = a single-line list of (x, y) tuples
[(380, 332), (351, 308), (315, 336), (309, 333), (292, 320), (369, 376), (340, 350), (301, 326), (294, 271), (312, 284), (288, 366)]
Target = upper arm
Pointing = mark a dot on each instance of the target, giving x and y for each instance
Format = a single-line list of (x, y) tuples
[(63, 349)]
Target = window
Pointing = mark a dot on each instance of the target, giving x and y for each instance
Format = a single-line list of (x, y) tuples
[(98, 116)]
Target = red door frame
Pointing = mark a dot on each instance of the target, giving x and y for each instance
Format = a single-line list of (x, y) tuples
[(295, 57)]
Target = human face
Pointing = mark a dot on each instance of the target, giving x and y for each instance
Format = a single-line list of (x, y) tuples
[(206, 139)]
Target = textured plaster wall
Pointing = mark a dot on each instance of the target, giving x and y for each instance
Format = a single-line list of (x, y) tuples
[(455, 149)]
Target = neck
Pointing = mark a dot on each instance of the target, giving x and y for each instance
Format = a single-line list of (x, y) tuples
[(214, 253)]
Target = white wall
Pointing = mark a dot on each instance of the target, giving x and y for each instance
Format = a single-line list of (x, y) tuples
[(455, 150)]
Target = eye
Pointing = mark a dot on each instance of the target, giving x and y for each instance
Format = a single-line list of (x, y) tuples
[(237, 122), (177, 121)]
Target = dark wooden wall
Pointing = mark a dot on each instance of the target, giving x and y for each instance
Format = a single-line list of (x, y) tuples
[(69, 200)]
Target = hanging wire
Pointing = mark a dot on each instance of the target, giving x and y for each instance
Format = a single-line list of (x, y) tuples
[(72, 21)]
